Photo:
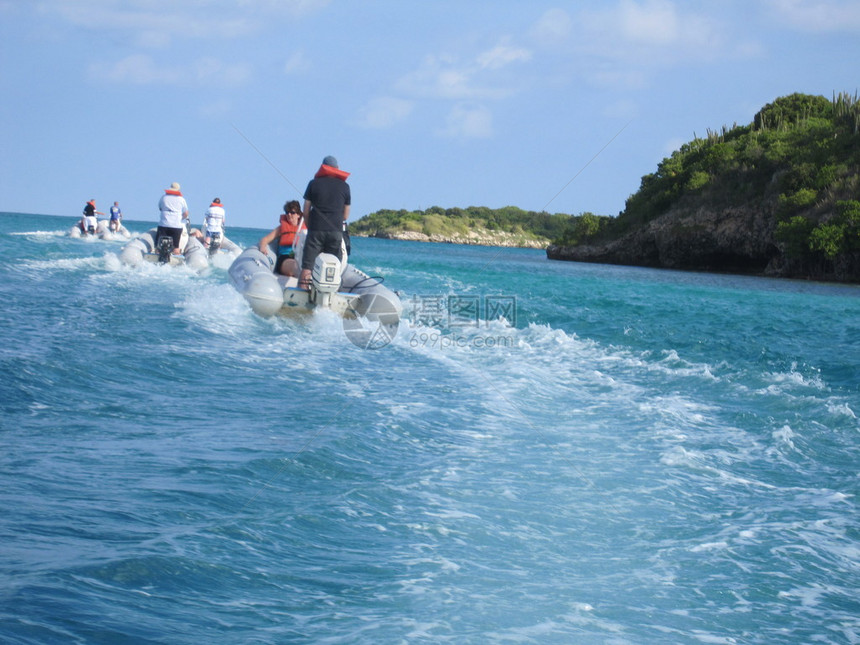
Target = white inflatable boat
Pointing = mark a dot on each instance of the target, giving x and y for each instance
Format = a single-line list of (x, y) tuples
[(336, 286), (145, 248), (100, 229), (219, 244)]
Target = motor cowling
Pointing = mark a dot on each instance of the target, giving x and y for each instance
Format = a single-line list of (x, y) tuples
[(325, 279), (214, 243), (326, 273)]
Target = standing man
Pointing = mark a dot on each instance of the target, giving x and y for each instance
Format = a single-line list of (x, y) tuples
[(174, 210), (89, 222), (115, 217), (326, 208), (214, 221)]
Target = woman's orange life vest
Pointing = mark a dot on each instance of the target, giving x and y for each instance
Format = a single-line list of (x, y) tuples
[(288, 232)]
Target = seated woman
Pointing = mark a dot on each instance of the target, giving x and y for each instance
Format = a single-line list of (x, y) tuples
[(285, 233)]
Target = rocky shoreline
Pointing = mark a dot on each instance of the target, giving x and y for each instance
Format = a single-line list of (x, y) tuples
[(737, 240), (477, 238), (696, 237)]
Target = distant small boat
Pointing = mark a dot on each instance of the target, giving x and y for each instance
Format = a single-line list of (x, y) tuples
[(219, 244), (98, 228)]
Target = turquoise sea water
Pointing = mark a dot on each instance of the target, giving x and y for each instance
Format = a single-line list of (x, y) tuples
[(627, 456)]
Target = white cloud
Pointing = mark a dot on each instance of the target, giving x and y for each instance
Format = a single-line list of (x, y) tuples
[(150, 22), (621, 109), (653, 23), (213, 71), (612, 76), (153, 39), (625, 45), (553, 26), (818, 16), (438, 77), (652, 31), (446, 77), (384, 112), (502, 56), (141, 69), (138, 69), (297, 63), (216, 109), (469, 122), (296, 7)]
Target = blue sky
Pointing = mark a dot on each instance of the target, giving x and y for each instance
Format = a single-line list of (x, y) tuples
[(557, 106)]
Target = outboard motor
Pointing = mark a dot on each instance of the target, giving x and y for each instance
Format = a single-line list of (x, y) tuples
[(165, 249), (91, 223), (325, 279), (214, 243)]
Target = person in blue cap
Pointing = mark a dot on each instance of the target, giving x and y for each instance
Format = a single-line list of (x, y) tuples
[(326, 208)]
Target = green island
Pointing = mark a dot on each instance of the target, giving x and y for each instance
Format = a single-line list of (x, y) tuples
[(778, 197), (509, 226)]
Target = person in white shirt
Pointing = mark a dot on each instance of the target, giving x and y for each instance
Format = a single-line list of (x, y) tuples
[(174, 213), (214, 221)]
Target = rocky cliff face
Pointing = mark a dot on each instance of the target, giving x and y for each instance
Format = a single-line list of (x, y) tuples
[(701, 238), (778, 197)]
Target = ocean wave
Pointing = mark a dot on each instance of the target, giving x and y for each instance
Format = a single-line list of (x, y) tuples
[(38, 234), (627, 461), (62, 264)]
